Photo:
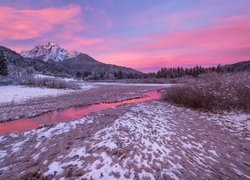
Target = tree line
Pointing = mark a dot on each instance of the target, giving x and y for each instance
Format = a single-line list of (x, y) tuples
[(180, 71), (88, 75), (162, 73), (196, 71)]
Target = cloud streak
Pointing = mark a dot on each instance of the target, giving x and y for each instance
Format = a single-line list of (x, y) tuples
[(27, 24), (227, 40)]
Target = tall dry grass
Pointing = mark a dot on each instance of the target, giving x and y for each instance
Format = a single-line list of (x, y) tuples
[(48, 83), (213, 92)]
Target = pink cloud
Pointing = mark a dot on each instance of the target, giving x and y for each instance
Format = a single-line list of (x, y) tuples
[(88, 45), (66, 26), (136, 60), (26, 24), (176, 20), (226, 34), (225, 41)]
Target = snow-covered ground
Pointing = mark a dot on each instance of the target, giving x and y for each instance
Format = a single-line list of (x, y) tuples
[(21, 93), (151, 140)]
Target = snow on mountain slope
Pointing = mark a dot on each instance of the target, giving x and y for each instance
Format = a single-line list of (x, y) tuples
[(48, 51)]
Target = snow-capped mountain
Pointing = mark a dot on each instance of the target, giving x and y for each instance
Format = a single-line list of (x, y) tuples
[(67, 68), (48, 51)]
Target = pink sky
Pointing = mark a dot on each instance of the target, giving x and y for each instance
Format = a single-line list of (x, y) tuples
[(144, 35)]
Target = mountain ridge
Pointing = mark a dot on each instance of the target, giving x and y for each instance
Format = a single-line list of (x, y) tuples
[(49, 50), (70, 67)]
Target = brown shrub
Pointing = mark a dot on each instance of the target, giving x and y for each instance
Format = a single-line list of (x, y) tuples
[(5, 80), (213, 92), (33, 175), (49, 83)]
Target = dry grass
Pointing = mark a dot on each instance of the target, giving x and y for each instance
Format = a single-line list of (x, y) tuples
[(30, 80), (34, 175), (48, 83), (213, 92)]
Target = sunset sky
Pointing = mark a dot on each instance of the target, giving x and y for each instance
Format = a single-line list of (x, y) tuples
[(142, 34)]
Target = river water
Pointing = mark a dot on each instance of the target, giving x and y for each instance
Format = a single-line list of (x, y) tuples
[(65, 115)]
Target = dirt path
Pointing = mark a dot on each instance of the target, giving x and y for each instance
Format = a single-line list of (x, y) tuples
[(150, 140)]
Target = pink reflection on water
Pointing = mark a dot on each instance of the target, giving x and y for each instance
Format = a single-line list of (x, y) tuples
[(69, 114)]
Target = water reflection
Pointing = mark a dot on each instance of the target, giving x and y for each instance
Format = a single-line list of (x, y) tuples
[(65, 115)]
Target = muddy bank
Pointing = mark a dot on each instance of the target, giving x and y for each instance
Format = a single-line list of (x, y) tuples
[(34, 107)]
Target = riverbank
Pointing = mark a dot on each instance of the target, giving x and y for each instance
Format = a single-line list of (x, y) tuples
[(98, 94), (151, 139)]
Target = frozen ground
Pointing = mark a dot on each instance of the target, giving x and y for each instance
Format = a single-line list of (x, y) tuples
[(21, 93), (149, 140)]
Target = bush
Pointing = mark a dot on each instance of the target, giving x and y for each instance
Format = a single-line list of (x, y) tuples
[(34, 175), (48, 82), (5, 81), (213, 92)]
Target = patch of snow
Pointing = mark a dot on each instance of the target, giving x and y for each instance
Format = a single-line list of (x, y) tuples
[(187, 145), (213, 152), (77, 152), (45, 162), (43, 76), (86, 86), (18, 146), (35, 157), (5, 169), (2, 153), (10, 94), (2, 138), (54, 77), (48, 133), (54, 168), (241, 174), (14, 135), (38, 144)]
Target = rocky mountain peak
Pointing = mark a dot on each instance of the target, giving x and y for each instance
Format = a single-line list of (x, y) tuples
[(48, 51)]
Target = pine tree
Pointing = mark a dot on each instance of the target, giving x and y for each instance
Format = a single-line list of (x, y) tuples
[(102, 75), (3, 65), (218, 68), (120, 75), (86, 73), (78, 75)]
